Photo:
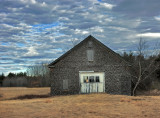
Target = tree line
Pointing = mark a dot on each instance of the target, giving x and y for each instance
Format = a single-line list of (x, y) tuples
[(35, 76)]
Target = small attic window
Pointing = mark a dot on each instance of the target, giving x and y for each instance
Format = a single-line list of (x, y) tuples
[(90, 55), (90, 44)]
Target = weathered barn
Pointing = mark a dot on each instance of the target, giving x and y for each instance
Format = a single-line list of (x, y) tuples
[(90, 67)]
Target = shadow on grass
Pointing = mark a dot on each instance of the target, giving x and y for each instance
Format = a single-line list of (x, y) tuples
[(30, 97)]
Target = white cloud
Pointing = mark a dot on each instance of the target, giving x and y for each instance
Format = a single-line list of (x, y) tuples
[(118, 28), (43, 4), (78, 31), (31, 52), (107, 5), (149, 34), (29, 1), (157, 18)]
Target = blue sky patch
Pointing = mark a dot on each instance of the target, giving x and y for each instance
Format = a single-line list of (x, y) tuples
[(42, 27), (99, 0), (4, 43), (20, 44)]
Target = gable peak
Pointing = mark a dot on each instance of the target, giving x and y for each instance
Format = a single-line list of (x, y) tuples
[(90, 37)]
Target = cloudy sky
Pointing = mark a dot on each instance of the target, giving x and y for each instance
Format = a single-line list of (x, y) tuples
[(39, 31)]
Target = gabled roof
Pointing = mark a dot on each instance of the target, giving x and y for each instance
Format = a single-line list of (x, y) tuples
[(86, 39)]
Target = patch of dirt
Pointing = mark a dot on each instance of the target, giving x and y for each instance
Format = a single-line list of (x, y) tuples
[(30, 97), (137, 99)]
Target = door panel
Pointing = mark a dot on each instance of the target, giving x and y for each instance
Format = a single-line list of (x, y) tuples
[(92, 82)]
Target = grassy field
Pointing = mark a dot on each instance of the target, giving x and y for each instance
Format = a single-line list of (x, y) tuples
[(73, 106)]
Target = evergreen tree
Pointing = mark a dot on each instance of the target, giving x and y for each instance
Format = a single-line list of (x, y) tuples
[(1, 78), (11, 75)]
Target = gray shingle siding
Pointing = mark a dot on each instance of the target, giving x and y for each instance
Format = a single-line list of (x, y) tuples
[(117, 79)]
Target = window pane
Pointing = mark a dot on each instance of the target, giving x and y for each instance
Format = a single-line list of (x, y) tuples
[(91, 78), (97, 78), (85, 79)]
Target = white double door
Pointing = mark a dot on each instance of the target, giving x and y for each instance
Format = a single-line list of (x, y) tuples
[(92, 82)]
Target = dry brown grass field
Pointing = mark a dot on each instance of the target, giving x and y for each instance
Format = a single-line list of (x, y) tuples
[(73, 106)]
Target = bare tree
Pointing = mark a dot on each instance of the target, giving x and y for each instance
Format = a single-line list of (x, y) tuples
[(41, 72), (145, 70)]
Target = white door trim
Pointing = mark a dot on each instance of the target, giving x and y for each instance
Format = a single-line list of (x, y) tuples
[(92, 73)]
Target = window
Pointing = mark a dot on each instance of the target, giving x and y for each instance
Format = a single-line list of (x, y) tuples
[(91, 79), (65, 84), (90, 55)]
